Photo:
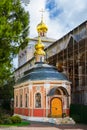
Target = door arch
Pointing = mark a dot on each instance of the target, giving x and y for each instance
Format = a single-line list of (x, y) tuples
[(56, 107)]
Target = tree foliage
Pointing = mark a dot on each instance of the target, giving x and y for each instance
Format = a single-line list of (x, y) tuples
[(14, 30), (6, 95)]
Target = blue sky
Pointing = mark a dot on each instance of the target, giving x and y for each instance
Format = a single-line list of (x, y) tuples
[(60, 16), (53, 9)]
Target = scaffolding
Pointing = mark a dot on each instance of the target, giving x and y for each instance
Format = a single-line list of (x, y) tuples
[(73, 59)]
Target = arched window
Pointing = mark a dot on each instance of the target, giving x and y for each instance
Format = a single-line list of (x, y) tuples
[(38, 100), (16, 100), (26, 100), (40, 59), (21, 100)]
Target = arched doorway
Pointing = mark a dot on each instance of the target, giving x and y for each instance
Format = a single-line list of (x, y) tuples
[(56, 107), (58, 101)]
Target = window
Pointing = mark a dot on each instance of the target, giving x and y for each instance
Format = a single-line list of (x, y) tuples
[(26, 100), (16, 101), (38, 100), (40, 59), (20, 100)]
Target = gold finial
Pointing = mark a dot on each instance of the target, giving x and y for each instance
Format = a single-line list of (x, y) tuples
[(39, 47), (42, 27)]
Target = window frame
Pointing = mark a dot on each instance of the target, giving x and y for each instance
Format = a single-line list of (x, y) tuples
[(38, 102)]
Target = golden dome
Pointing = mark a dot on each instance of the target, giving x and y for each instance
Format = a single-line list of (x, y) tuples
[(39, 47), (42, 27)]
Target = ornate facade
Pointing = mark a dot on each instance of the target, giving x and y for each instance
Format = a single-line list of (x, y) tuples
[(68, 54), (42, 91)]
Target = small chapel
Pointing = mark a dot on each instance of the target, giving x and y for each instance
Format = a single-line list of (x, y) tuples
[(42, 91)]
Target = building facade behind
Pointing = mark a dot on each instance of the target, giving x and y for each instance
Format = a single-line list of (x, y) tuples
[(71, 57)]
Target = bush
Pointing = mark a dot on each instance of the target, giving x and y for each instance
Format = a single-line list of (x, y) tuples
[(76, 118), (1, 121), (5, 116), (79, 113), (16, 119), (7, 121)]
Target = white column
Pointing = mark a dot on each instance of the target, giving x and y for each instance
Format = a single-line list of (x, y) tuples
[(30, 98), (47, 87)]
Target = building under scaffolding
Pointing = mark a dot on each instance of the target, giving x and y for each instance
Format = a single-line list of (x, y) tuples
[(69, 54)]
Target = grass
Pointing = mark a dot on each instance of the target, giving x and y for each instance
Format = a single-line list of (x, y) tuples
[(23, 123)]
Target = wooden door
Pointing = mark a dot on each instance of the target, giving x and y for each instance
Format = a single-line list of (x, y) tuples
[(56, 107)]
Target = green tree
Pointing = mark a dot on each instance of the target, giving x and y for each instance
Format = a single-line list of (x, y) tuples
[(14, 30), (6, 94)]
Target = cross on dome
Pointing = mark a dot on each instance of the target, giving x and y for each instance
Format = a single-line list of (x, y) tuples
[(42, 27)]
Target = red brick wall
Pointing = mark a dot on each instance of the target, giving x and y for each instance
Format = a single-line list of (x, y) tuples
[(21, 111), (39, 112)]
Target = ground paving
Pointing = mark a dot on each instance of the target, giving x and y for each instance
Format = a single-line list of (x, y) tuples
[(48, 126)]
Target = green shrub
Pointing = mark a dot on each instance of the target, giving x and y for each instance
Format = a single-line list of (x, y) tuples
[(1, 121), (79, 112), (5, 116), (76, 118), (7, 121), (16, 119)]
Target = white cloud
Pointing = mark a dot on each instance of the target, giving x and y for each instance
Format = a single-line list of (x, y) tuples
[(73, 14), (35, 16)]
